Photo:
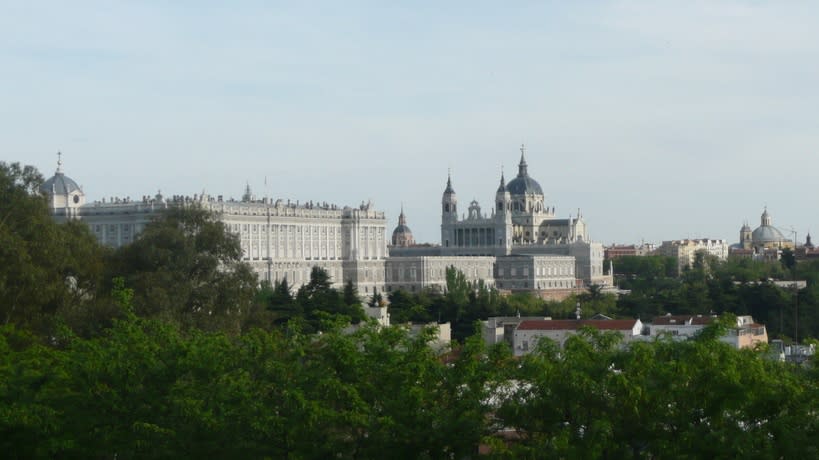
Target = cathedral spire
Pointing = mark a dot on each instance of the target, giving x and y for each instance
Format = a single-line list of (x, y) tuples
[(523, 167), (502, 187), (449, 183), (248, 195), (402, 219)]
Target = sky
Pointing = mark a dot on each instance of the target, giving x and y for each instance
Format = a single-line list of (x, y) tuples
[(658, 119)]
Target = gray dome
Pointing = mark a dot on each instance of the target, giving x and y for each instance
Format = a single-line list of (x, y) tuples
[(59, 184), (524, 184), (401, 230), (767, 234)]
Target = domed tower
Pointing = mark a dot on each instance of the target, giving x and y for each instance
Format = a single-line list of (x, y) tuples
[(449, 214), (527, 202), (402, 235), (766, 236), (745, 239), (503, 218), (64, 195)]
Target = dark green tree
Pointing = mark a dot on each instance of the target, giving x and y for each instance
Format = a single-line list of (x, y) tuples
[(318, 298), (788, 259), (186, 268), (351, 294), (47, 268)]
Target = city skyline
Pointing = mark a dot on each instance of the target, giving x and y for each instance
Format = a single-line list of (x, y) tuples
[(658, 122)]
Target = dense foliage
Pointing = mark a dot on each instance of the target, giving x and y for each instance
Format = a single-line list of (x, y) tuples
[(147, 389), (739, 285), (167, 348)]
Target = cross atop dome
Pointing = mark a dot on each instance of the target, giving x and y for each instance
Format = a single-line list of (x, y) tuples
[(59, 162), (523, 167)]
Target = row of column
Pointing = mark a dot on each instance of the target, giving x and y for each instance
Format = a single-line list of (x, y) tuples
[(474, 237)]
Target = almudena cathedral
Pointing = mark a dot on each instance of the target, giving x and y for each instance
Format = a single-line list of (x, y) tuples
[(520, 245)]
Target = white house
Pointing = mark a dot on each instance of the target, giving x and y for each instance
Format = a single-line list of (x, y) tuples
[(528, 333)]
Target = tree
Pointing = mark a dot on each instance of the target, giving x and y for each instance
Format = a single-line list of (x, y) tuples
[(377, 300), (351, 294), (46, 267), (788, 259), (664, 399), (318, 298), (186, 267)]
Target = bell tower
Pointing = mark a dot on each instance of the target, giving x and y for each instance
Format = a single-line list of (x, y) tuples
[(449, 214), (503, 219)]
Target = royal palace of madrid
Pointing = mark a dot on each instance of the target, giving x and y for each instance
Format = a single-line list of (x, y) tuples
[(520, 245)]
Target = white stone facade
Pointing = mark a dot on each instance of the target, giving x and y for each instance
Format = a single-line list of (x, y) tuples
[(530, 247), (521, 224), (686, 250), (278, 239), (528, 333), (535, 272), (415, 273)]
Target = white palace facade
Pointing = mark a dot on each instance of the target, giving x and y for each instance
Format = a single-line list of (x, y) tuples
[(520, 245), (279, 239)]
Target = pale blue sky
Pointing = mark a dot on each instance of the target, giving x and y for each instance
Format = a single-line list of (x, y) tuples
[(660, 119)]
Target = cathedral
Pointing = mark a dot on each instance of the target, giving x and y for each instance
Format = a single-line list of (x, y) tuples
[(520, 217), (765, 242), (766, 236), (520, 244)]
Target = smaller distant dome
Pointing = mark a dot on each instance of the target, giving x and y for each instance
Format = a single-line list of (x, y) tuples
[(402, 235), (59, 184), (401, 232), (767, 234)]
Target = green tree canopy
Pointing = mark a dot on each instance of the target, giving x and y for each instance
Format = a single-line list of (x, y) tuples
[(187, 268), (46, 267)]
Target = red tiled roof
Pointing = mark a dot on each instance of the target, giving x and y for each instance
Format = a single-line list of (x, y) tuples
[(703, 319), (670, 319), (573, 324), (677, 320)]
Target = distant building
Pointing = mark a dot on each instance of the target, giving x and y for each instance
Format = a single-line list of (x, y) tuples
[(402, 235), (522, 334), (807, 250), (521, 243), (685, 251), (529, 332), (280, 240), (615, 251), (746, 333), (763, 242), (499, 329)]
